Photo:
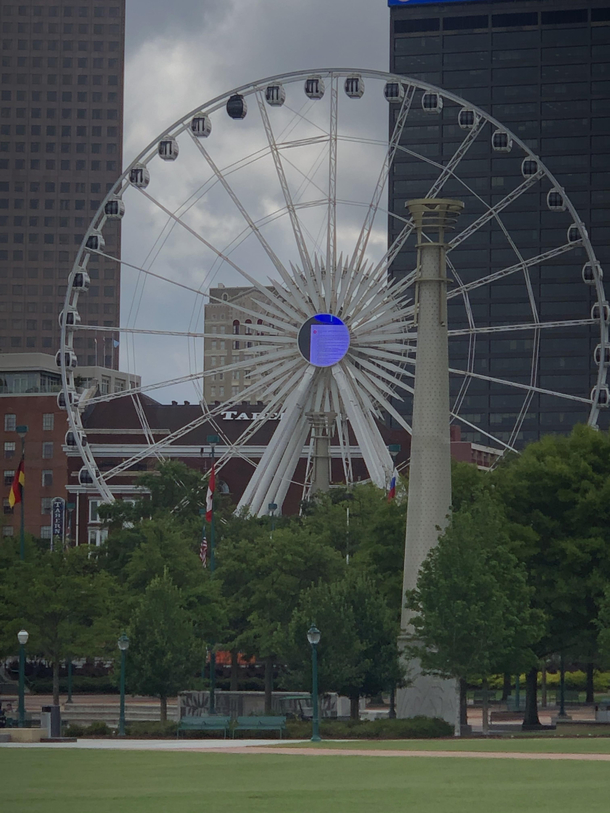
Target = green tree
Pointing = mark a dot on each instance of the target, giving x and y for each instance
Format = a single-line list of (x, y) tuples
[(358, 653), (164, 650), (603, 625), (267, 572), (472, 614), (68, 606), (557, 501)]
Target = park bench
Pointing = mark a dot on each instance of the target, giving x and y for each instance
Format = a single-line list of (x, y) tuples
[(263, 723), (211, 722)]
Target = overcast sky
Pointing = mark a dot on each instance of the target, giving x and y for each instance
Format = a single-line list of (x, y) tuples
[(183, 52)]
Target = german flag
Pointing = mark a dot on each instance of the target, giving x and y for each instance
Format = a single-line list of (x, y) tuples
[(16, 492)]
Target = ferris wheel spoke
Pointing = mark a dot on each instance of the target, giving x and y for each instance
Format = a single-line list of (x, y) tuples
[(511, 269), (495, 210), (370, 442), (147, 271), (279, 168), (481, 431), (296, 404), (368, 290), (449, 169), (372, 301), (160, 445), (239, 205), (331, 228), (385, 372), (394, 142), (446, 173), (529, 395), (376, 392), (566, 324), (252, 280), (516, 385), (459, 399)]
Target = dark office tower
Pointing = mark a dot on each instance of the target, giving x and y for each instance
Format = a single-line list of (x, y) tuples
[(542, 68), (61, 133)]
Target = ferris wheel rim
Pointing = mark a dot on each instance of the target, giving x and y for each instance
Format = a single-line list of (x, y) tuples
[(181, 124)]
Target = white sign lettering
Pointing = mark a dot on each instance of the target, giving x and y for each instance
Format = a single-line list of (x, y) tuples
[(233, 415)]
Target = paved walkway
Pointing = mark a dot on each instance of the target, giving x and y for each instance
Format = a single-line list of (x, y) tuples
[(150, 745), (266, 747), (404, 753)]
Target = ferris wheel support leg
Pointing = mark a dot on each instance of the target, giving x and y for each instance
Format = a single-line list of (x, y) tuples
[(430, 468), (282, 479), (254, 495)]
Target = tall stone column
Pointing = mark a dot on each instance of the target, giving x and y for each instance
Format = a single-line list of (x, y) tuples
[(430, 467)]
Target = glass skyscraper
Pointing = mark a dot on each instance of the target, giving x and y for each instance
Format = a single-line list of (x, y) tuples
[(542, 68)]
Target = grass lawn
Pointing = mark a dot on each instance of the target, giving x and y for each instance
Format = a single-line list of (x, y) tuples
[(71, 781), (544, 745)]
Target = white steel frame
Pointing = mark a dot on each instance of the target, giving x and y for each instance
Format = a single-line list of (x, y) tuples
[(379, 364)]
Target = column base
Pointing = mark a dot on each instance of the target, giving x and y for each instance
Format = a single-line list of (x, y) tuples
[(429, 696)]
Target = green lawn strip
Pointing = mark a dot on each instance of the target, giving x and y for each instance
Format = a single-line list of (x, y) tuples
[(72, 781), (556, 745)]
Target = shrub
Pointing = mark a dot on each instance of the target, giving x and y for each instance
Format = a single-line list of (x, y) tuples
[(153, 729), (80, 684), (98, 729), (74, 730), (413, 728)]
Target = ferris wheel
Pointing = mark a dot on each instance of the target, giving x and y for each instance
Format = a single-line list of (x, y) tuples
[(281, 186)]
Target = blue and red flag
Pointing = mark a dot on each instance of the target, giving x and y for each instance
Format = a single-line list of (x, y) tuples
[(392, 491)]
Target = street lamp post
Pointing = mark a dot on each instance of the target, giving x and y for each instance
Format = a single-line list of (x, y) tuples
[(562, 687), (22, 432), (272, 506), (123, 644), (22, 637), (313, 636), (69, 700)]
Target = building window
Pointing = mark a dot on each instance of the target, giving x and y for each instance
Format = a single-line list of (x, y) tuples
[(9, 448), (47, 451), (10, 422), (9, 477), (46, 532), (7, 530), (47, 477), (96, 536), (93, 506), (46, 505), (48, 421), (6, 506)]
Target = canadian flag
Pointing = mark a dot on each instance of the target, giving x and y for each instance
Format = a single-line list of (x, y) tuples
[(209, 503)]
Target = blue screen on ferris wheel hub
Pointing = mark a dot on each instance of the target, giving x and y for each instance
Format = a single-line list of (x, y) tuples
[(323, 340)]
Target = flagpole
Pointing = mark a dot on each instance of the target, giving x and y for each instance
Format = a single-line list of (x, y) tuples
[(212, 440), (22, 432)]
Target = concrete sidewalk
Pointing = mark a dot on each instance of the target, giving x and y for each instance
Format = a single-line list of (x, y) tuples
[(113, 744)]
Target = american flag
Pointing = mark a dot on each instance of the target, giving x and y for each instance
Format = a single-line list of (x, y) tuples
[(203, 550)]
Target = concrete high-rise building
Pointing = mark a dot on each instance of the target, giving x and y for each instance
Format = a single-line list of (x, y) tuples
[(233, 341), (542, 68), (61, 134)]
